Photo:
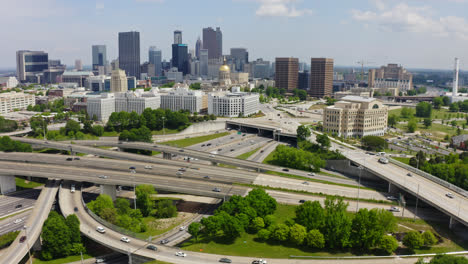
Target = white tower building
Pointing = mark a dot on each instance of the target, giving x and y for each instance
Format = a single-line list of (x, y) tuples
[(455, 78)]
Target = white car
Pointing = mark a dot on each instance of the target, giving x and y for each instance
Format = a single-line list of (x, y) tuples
[(148, 167), (212, 156), (450, 195), (19, 220), (394, 209), (125, 239), (102, 176), (99, 260), (72, 188), (182, 228), (383, 160), (180, 254), (100, 229), (311, 174)]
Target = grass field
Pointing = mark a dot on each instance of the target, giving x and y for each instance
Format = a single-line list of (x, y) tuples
[(248, 154), (436, 113), (438, 131), (400, 159), (154, 228), (25, 184), (181, 143)]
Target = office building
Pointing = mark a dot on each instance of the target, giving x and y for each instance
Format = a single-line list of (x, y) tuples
[(175, 75), (13, 100), (98, 83), (99, 55), (129, 53), (204, 62), (101, 107), (137, 101), (148, 70), (355, 116), (8, 82), (239, 77), (321, 77), (78, 65), (303, 80), (182, 99), (258, 69), (391, 76), (155, 58), (119, 83), (233, 104), (239, 57), (212, 41), (78, 77), (30, 64), (286, 73), (180, 58), (177, 37), (53, 73), (198, 47)]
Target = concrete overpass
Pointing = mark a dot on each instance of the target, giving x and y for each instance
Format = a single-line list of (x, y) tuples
[(262, 130)]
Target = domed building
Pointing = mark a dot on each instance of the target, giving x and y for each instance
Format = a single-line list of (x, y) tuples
[(224, 76)]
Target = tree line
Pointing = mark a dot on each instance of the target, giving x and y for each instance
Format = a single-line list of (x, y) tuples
[(9, 145), (7, 125)]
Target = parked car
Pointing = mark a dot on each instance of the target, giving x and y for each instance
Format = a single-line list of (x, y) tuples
[(450, 195), (125, 239), (100, 229), (180, 254), (152, 247), (225, 260)]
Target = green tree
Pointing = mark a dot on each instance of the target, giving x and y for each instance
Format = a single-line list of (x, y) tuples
[(365, 232), (427, 122), (454, 107), (297, 234), (388, 244), (311, 215), (323, 140), (143, 198), (446, 100), (413, 240), (122, 205), (72, 126), (438, 102), (109, 214), (429, 238), (448, 259), (337, 228), (424, 109), (257, 224), (101, 202), (261, 202), (280, 232), (315, 239), (406, 112), (194, 230), (392, 120), (374, 143), (303, 132), (264, 234), (73, 224), (165, 209), (98, 130), (412, 126)]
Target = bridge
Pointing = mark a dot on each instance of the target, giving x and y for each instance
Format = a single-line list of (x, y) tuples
[(262, 130)]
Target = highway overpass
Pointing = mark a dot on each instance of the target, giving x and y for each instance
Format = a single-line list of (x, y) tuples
[(262, 130)]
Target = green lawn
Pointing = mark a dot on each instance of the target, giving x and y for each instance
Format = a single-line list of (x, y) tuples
[(248, 154), (181, 143), (61, 260), (24, 184), (404, 160), (438, 131), (110, 134), (436, 113)]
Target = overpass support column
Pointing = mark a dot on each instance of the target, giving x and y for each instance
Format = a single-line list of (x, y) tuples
[(392, 188), (7, 184), (109, 190), (452, 222), (37, 246), (167, 156)]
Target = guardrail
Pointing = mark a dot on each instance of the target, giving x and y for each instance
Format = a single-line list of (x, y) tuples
[(430, 177), (112, 226), (383, 257)]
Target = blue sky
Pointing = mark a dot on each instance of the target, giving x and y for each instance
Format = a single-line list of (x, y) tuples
[(414, 33)]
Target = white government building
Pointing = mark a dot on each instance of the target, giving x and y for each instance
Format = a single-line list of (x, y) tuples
[(182, 98), (13, 100), (233, 104)]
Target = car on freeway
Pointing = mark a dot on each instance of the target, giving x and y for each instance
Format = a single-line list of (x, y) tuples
[(306, 183), (132, 168), (69, 159), (260, 261), (370, 153), (225, 260), (209, 144), (261, 151), (232, 137), (202, 145), (212, 156), (450, 195), (285, 169), (311, 174), (77, 158), (148, 167), (394, 209), (383, 160), (183, 169), (409, 174), (75, 209), (125, 239), (391, 198), (180, 254), (102, 176), (216, 189), (17, 221), (100, 229), (181, 150), (164, 241), (179, 173), (72, 188), (99, 260), (302, 201), (152, 247), (18, 206), (232, 149), (182, 228), (22, 239), (206, 177)]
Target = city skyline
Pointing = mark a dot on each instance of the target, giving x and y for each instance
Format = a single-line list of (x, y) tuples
[(414, 33)]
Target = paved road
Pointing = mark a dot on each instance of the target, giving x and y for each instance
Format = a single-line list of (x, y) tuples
[(14, 223), (18, 201)]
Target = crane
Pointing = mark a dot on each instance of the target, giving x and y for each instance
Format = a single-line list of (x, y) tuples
[(362, 63)]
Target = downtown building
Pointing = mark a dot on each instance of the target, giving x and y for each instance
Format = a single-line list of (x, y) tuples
[(233, 104), (30, 65), (286, 73), (155, 58), (321, 77), (182, 99), (99, 57), (391, 76), (213, 42), (355, 116), (129, 53), (13, 100)]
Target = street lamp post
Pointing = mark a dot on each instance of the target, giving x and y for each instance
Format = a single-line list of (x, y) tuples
[(359, 187), (164, 129), (27, 244), (417, 200)]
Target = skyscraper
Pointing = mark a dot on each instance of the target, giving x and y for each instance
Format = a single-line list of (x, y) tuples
[(155, 57), (29, 64), (78, 65), (118, 81), (129, 53), (219, 42), (239, 57), (198, 47), (203, 62), (321, 77), (286, 73), (99, 56), (177, 37), (180, 57), (210, 42)]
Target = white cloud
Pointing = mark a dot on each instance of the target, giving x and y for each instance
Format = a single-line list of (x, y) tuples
[(405, 18), (280, 8), (32, 9)]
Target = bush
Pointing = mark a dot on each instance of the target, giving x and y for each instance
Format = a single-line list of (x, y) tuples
[(413, 240), (429, 238), (388, 244), (374, 143), (8, 238)]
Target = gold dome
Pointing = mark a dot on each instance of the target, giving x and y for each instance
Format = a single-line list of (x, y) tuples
[(224, 68)]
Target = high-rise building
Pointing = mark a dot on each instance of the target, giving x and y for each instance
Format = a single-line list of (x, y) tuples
[(303, 80), (29, 64), (219, 42), (203, 62), (155, 58), (258, 69), (210, 42), (286, 73), (198, 47), (239, 57), (119, 82), (177, 37), (390, 76), (129, 53), (180, 57), (147, 69), (78, 65), (99, 56), (321, 77)]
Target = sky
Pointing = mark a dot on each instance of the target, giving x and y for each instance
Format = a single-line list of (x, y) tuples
[(414, 33)]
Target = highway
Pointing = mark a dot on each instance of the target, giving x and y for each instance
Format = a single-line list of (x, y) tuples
[(18, 201), (16, 251), (13, 223)]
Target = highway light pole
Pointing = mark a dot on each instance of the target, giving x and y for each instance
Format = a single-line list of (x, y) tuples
[(358, 188), (27, 244), (417, 199)]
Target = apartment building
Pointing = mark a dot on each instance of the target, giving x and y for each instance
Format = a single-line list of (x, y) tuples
[(13, 100)]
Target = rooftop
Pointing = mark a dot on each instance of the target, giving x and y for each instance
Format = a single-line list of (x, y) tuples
[(78, 73), (354, 98)]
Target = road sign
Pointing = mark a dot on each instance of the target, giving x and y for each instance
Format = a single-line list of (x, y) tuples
[(238, 133)]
